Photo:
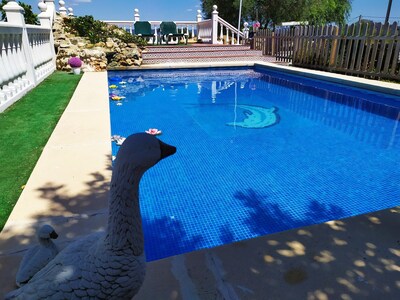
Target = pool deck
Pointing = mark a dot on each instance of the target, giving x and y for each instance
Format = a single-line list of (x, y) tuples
[(353, 258)]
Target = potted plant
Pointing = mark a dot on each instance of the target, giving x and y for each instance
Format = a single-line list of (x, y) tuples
[(76, 64)]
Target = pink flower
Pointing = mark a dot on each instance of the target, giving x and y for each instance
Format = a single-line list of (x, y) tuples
[(153, 131), (256, 25)]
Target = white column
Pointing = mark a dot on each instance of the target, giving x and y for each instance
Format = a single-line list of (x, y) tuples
[(136, 16), (214, 18), (62, 9), (246, 30), (51, 9), (70, 11)]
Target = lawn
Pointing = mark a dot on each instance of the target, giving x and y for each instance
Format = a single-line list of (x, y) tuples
[(24, 129)]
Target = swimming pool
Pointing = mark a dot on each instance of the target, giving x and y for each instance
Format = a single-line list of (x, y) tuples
[(258, 152)]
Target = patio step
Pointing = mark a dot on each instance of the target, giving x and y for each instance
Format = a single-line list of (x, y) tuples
[(194, 48), (200, 53), (204, 53)]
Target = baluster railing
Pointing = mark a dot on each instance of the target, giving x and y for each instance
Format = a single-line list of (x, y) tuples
[(26, 53), (231, 32), (209, 31)]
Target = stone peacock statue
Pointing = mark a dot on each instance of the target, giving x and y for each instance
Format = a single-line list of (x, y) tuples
[(37, 256)]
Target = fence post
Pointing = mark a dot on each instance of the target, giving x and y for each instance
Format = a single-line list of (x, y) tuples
[(62, 9), (14, 13), (51, 9), (332, 59), (199, 16), (214, 18), (44, 17), (273, 42), (136, 16), (15, 16), (46, 21)]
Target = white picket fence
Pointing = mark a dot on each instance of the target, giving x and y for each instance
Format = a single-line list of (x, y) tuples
[(26, 53)]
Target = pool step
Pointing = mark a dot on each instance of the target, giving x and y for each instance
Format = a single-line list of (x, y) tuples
[(201, 53)]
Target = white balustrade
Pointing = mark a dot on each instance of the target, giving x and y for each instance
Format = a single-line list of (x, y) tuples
[(215, 31), (26, 54), (229, 30)]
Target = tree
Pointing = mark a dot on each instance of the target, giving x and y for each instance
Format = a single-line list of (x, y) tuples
[(272, 12), (227, 10), (29, 16), (328, 11)]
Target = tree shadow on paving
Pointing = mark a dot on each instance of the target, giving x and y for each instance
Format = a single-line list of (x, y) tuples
[(77, 215), (352, 258), (71, 216)]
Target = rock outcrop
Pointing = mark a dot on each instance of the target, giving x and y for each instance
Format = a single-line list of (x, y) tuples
[(96, 57)]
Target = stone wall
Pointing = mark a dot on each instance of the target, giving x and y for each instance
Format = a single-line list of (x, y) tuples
[(96, 57)]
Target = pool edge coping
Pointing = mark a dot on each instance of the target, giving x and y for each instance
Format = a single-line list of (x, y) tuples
[(370, 84)]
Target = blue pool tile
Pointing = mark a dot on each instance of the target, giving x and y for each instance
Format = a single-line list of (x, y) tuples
[(334, 153)]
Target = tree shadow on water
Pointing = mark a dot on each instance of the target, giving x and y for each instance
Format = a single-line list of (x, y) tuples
[(226, 234), (267, 217), (166, 237), (318, 212)]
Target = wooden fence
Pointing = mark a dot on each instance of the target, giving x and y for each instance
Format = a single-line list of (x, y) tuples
[(369, 49)]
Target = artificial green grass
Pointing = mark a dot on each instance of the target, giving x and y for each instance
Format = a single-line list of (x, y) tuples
[(24, 130)]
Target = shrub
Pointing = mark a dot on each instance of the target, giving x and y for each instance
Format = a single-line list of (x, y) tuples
[(98, 31)]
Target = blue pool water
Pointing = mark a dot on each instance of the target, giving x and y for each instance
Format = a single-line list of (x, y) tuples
[(257, 152)]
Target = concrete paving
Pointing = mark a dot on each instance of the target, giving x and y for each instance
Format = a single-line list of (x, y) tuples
[(354, 258)]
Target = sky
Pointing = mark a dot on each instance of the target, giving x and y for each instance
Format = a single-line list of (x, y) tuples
[(186, 10)]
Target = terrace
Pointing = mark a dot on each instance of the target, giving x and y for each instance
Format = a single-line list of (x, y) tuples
[(354, 258)]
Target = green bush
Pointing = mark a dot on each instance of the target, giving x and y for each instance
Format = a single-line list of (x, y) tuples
[(97, 31)]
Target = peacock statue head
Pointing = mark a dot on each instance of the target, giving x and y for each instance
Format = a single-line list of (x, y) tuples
[(143, 157)]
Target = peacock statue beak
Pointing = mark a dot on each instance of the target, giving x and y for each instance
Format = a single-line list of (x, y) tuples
[(166, 150)]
